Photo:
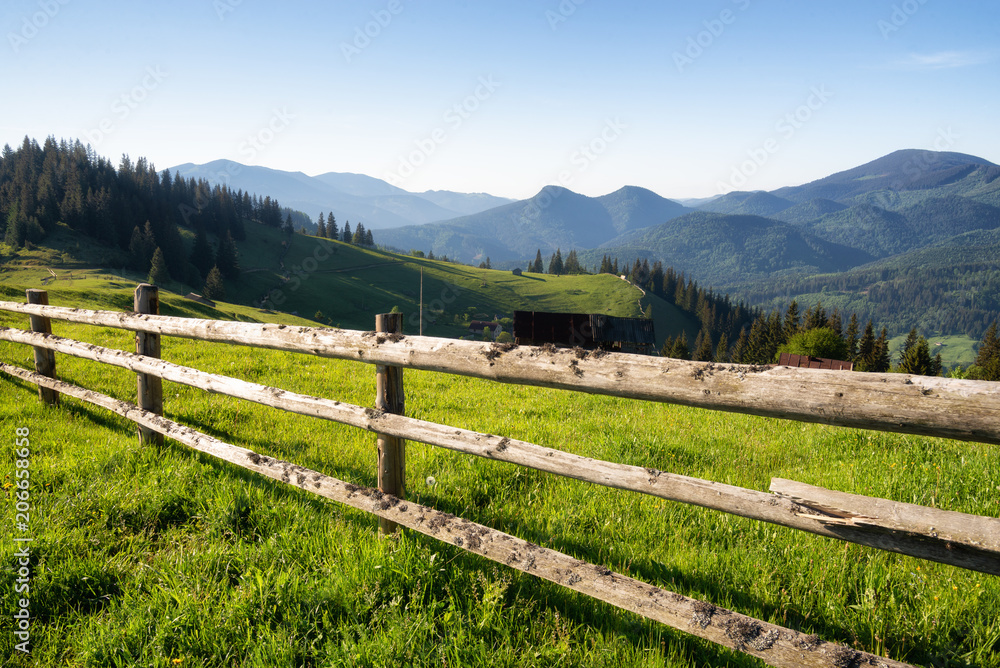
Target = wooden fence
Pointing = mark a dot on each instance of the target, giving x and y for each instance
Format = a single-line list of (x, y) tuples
[(967, 410)]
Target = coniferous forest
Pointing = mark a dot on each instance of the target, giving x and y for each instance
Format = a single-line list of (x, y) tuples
[(134, 210)]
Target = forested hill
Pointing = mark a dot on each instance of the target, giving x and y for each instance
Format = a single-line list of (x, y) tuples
[(131, 208)]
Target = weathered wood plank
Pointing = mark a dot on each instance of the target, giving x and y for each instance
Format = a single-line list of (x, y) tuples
[(717, 496), (389, 398), (950, 408), (776, 645), (45, 359), (867, 511), (149, 386)]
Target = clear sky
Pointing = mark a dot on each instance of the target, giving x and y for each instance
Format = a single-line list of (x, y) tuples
[(685, 98)]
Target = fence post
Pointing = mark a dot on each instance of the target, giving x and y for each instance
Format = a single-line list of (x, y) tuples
[(150, 388), (45, 359), (389, 399)]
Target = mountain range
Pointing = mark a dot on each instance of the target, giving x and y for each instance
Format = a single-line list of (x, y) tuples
[(901, 202), (350, 197), (904, 201)]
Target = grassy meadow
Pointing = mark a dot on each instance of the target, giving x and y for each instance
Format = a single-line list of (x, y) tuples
[(146, 556), (341, 285)]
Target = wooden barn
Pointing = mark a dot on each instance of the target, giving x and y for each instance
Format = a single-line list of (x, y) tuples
[(588, 331), (808, 362)]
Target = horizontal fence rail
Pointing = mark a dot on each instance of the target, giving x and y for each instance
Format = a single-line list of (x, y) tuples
[(949, 408), (774, 644), (958, 539)]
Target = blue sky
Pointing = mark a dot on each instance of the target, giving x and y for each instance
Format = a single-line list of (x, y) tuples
[(687, 99)]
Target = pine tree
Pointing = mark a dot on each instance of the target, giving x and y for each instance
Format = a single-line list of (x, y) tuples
[(835, 322), (791, 327), (572, 264), (158, 274), (988, 356), (882, 361), (917, 359), (722, 350), (556, 263), (680, 350), (201, 253), (815, 317), (214, 288), (739, 350), (911, 340), (852, 338), (227, 258), (866, 349)]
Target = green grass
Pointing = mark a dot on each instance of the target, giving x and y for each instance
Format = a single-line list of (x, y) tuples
[(346, 285), (145, 555)]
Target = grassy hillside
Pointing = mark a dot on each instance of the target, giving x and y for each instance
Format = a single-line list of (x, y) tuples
[(164, 557), (339, 284)]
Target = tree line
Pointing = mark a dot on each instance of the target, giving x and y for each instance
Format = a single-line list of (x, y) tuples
[(327, 228), (137, 211)]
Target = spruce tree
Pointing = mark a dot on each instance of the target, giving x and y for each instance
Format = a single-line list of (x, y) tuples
[(866, 349), (852, 338), (214, 288), (882, 361), (331, 227), (537, 267), (739, 350), (680, 350), (572, 264), (722, 350), (358, 238), (917, 359), (370, 241), (321, 226), (346, 236), (791, 326), (911, 340), (556, 263), (158, 274), (201, 253), (227, 258), (703, 347), (988, 356)]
